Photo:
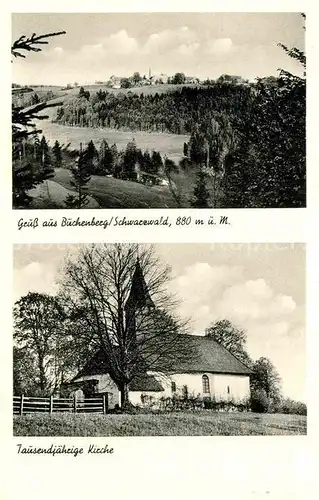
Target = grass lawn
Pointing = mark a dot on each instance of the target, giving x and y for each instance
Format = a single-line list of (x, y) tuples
[(170, 145), (51, 194), (170, 424), (116, 193)]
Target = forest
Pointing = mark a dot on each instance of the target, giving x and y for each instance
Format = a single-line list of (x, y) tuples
[(247, 146), (176, 112), (249, 138)]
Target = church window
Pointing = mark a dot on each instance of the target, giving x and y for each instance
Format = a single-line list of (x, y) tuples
[(228, 389), (173, 386), (205, 381)]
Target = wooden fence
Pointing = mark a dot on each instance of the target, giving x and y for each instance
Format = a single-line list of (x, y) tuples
[(25, 404)]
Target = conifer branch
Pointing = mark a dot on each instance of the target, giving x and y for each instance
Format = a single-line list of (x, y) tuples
[(29, 44)]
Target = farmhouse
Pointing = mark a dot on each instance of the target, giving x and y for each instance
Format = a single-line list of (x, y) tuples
[(211, 372)]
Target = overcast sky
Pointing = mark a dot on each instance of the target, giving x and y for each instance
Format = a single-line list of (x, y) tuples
[(199, 44), (259, 287)]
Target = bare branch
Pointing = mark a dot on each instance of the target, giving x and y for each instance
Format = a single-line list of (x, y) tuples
[(133, 334)]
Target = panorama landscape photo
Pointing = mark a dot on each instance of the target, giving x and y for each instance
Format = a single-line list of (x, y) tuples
[(158, 110)]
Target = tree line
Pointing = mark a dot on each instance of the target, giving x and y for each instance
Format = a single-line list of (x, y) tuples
[(175, 112), (26, 99)]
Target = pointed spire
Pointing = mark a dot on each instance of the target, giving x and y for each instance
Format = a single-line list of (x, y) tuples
[(139, 294)]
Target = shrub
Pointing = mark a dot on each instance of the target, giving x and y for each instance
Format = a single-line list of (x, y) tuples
[(228, 405), (191, 402), (293, 407), (259, 402)]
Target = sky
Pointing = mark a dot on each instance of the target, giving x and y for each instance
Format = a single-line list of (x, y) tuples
[(199, 44), (259, 287)]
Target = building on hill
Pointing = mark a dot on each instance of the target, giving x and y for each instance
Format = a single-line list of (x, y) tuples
[(212, 373), (159, 78), (115, 82), (149, 179), (192, 79)]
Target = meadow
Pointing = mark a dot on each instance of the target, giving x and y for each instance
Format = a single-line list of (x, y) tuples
[(117, 193), (188, 423), (170, 145)]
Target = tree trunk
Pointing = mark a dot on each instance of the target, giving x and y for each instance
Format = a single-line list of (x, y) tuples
[(42, 376), (124, 395)]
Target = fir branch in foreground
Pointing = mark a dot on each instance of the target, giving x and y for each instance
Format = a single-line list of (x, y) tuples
[(29, 44)]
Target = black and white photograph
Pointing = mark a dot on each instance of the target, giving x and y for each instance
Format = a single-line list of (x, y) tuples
[(158, 110), (159, 340)]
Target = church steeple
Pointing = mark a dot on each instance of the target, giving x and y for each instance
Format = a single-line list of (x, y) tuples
[(139, 296), (139, 300)]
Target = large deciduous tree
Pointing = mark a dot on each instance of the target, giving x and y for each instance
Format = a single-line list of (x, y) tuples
[(231, 337), (178, 79), (119, 291), (38, 322), (266, 378), (25, 373)]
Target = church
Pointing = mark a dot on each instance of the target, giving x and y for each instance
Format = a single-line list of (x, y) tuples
[(212, 373)]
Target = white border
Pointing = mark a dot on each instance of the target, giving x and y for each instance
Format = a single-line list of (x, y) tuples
[(217, 467)]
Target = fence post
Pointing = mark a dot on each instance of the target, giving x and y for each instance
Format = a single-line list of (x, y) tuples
[(51, 404), (105, 403), (74, 404), (21, 404)]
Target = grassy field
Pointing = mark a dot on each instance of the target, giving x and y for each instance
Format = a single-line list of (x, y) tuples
[(115, 193), (170, 145), (51, 194), (170, 424)]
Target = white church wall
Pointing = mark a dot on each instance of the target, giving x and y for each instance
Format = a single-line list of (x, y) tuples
[(234, 387), (193, 382), (135, 397), (222, 387)]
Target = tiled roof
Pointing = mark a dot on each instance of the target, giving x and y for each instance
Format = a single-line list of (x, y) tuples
[(208, 356), (98, 365)]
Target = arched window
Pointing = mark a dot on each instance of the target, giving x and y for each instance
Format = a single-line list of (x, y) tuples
[(205, 381)]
